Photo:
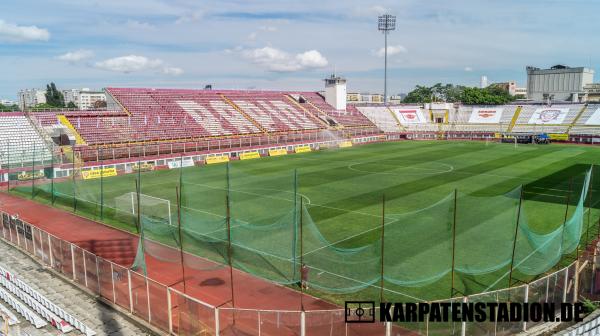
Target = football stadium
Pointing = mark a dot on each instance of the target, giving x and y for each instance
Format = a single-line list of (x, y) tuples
[(204, 210), (269, 204)]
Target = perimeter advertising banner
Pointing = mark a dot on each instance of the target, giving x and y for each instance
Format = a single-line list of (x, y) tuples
[(249, 156), (595, 118), (94, 174), (486, 115), (410, 116), (217, 159), (277, 152), (548, 115), (302, 149), (180, 163)]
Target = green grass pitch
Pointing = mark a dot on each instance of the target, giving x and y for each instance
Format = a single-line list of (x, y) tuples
[(343, 189)]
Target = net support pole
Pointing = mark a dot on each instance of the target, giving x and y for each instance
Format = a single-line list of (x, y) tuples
[(229, 250), (33, 173), (178, 192), (52, 175), (8, 167), (562, 234), (382, 246), (74, 189), (301, 258), (590, 198), (101, 183), (514, 247), (453, 243)]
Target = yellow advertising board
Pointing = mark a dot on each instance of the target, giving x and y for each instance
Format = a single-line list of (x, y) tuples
[(146, 166), (498, 135), (302, 149), (217, 159), (94, 174), (249, 156), (345, 144), (559, 136), (277, 152)]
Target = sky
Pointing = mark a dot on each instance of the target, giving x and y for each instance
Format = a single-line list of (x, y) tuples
[(287, 45)]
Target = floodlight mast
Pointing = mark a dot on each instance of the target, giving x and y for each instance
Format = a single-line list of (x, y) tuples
[(387, 23)]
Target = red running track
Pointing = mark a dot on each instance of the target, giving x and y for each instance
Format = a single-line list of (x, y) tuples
[(210, 286)]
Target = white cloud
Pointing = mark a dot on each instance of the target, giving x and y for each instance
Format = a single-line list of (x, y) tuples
[(268, 28), (190, 17), (173, 71), (468, 69), (139, 25), (252, 36), (277, 60), (13, 32), (76, 56), (135, 63), (392, 50), (369, 11)]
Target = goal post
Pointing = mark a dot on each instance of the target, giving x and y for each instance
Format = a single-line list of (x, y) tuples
[(158, 209)]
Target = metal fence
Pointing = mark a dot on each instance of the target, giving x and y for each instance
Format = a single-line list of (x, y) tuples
[(177, 313)]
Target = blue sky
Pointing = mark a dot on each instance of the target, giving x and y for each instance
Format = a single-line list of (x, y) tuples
[(280, 44)]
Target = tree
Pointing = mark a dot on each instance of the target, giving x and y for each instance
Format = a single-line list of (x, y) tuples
[(71, 105), (437, 93), (99, 104), (9, 108), (54, 98), (492, 95)]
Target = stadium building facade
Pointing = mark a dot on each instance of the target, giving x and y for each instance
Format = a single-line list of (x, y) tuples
[(560, 82)]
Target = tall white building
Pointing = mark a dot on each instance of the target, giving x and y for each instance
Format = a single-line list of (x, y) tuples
[(31, 97), (71, 96), (484, 82), (560, 82), (87, 98)]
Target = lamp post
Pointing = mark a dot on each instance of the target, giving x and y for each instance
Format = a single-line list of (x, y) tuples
[(386, 24)]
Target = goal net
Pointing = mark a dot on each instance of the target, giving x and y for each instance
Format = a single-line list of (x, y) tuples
[(151, 208)]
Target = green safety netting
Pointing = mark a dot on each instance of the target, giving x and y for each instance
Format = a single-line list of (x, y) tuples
[(264, 222), (334, 268), (418, 245), (537, 252)]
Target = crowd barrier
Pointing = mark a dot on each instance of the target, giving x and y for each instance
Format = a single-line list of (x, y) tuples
[(177, 313)]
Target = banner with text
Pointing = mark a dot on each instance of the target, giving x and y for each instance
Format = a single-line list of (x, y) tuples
[(410, 116), (249, 156), (217, 159), (94, 174), (302, 149), (178, 164), (548, 115), (486, 115), (277, 152)]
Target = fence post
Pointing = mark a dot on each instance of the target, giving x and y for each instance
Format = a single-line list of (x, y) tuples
[(130, 293), (112, 280), (32, 240), (463, 325), (526, 300), (169, 312), (49, 251), (388, 328), (72, 261), (84, 268), (303, 323), (148, 297), (566, 282), (98, 277), (576, 284), (217, 326)]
